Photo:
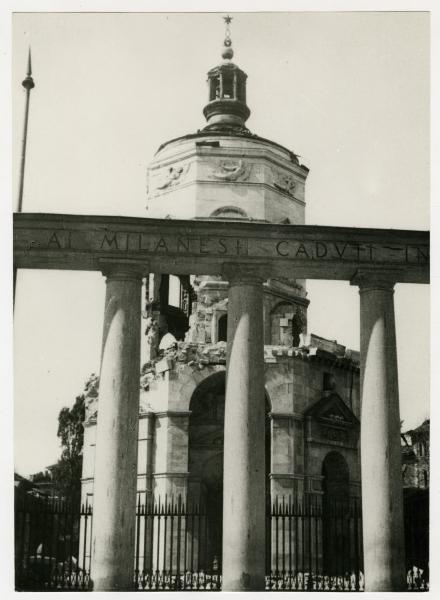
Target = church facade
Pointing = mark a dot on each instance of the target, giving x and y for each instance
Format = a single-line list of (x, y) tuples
[(312, 399)]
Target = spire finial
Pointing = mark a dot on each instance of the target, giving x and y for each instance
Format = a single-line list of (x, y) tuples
[(29, 65), (227, 52), (28, 83)]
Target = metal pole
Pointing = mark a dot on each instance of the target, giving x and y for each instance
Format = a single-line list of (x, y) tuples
[(28, 84)]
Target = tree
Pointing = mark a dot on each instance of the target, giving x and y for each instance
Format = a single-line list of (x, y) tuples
[(66, 473)]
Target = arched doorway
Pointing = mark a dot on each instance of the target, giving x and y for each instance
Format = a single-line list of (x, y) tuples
[(205, 459), (336, 527)]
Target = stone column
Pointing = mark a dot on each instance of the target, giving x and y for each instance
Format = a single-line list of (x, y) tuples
[(382, 496), (244, 455), (115, 482)]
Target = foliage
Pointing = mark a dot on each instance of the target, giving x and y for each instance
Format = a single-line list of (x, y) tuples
[(66, 473)]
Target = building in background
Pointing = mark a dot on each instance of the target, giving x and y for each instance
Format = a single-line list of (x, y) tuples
[(415, 457), (415, 473), (224, 172)]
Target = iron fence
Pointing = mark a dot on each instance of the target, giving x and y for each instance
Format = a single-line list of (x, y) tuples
[(311, 545), (48, 554), (174, 546), (316, 545)]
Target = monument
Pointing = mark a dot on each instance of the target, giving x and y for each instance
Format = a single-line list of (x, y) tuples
[(239, 402)]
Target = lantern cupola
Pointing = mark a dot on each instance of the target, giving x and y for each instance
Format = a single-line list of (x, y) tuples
[(226, 108)]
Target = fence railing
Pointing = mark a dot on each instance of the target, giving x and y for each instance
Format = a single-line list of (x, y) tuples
[(176, 547), (315, 545), (311, 545), (48, 554)]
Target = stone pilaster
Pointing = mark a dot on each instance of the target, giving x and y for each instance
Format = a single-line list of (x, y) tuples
[(382, 499), (171, 465), (114, 502), (244, 454), (286, 472), (145, 456)]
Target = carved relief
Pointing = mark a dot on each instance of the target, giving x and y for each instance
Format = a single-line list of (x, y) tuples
[(231, 170), (284, 182), (170, 177)]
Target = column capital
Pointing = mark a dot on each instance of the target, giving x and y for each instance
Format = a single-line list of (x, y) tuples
[(120, 268), (376, 279), (245, 273)]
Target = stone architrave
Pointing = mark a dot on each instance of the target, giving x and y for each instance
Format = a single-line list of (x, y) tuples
[(43, 241)]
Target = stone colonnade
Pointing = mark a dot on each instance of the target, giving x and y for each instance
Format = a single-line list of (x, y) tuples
[(244, 460), (114, 502), (381, 471)]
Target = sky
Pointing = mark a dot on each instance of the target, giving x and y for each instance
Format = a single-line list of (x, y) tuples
[(348, 92)]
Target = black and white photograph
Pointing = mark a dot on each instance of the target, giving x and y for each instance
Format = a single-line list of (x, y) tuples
[(221, 299)]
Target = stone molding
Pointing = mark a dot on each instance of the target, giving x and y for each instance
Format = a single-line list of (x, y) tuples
[(286, 476), (164, 474), (214, 182), (273, 354), (173, 413), (227, 152), (286, 415), (146, 415), (346, 445)]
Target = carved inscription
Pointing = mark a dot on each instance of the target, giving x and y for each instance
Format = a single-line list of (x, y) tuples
[(221, 246), (165, 245), (138, 242)]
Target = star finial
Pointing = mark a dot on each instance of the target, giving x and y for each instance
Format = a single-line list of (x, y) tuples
[(227, 53)]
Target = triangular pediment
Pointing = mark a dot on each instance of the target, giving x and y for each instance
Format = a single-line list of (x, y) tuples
[(332, 409)]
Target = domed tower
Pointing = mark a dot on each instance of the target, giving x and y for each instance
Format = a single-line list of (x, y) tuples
[(225, 172), (227, 109)]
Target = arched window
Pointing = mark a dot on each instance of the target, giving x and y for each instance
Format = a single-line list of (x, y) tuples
[(222, 328), (229, 212)]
